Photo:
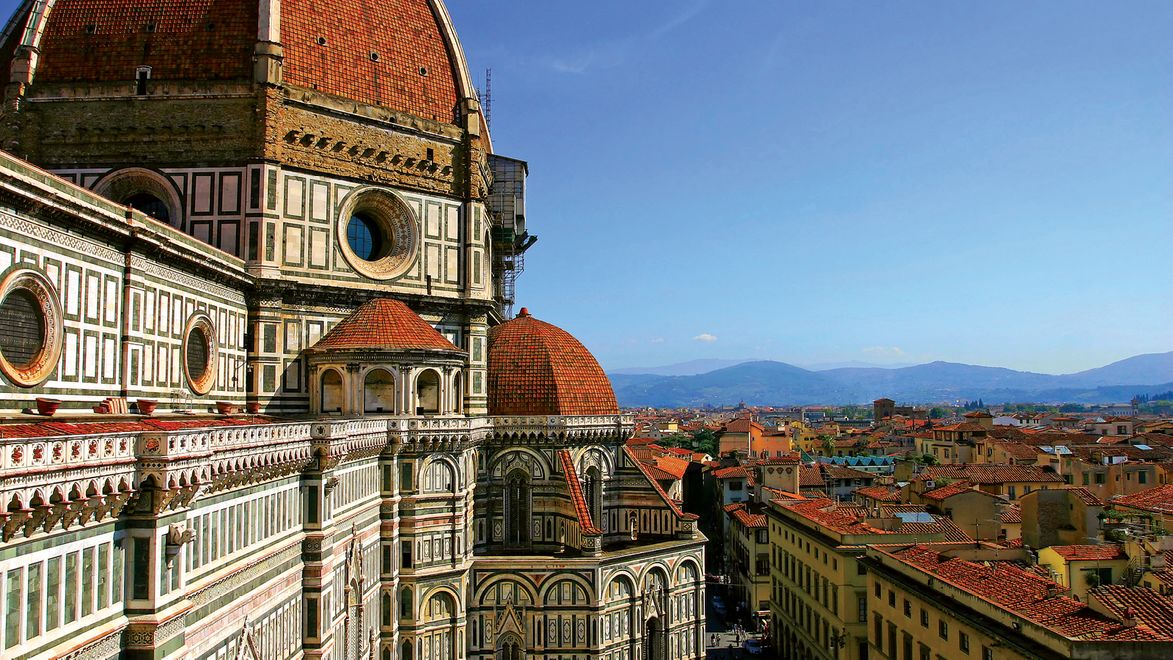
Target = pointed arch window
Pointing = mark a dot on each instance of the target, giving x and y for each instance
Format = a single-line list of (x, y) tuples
[(517, 509), (592, 491)]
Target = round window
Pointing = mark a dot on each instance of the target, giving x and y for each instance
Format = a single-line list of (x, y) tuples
[(22, 328), (30, 328), (377, 233), (365, 237), (199, 354)]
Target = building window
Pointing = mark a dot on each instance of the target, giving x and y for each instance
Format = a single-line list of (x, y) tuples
[(517, 509), (963, 642), (891, 598), (1142, 477), (924, 618), (862, 605), (405, 484), (377, 233), (149, 204), (31, 328), (878, 590), (943, 629), (987, 653), (199, 354), (1099, 478), (907, 608), (365, 237), (734, 485)]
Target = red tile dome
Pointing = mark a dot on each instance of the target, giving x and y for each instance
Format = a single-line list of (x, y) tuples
[(536, 368), (399, 54)]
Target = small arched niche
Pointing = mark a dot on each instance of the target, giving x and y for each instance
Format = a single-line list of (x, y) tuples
[(427, 392), (458, 393), (379, 392), (333, 393)]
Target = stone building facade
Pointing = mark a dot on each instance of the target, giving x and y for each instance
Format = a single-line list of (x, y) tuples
[(294, 209)]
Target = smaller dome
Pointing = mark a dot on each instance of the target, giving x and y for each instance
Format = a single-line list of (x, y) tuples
[(536, 368), (384, 324)]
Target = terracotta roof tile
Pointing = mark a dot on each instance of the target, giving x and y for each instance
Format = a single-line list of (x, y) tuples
[(879, 493), (104, 40), (575, 488), (1024, 593), (749, 520), (1156, 500), (671, 503), (1150, 609), (384, 323), (1089, 552), (732, 472), (991, 474), (405, 36), (536, 368)]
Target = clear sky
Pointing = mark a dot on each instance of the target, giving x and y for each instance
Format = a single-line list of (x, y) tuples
[(823, 181), (888, 182)]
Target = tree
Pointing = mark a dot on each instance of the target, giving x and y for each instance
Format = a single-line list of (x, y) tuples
[(705, 441)]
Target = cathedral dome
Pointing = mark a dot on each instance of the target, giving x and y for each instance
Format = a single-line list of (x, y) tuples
[(536, 368), (399, 54)]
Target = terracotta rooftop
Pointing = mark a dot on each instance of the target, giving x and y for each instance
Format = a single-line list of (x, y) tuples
[(879, 493), (384, 324), (945, 492), (1149, 608), (732, 472), (991, 474), (536, 368), (749, 520), (1089, 552), (391, 53), (853, 519), (1156, 500), (671, 503), (1010, 515), (1024, 593), (575, 488)]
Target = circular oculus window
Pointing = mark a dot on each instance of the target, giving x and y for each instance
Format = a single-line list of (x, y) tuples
[(199, 354), (377, 233), (31, 328)]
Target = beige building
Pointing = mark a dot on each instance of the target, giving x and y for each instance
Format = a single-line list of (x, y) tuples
[(819, 604), (940, 602)]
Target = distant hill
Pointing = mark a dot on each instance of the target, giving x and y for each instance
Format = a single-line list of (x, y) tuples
[(1147, 368), (690, 368), (779, 383)]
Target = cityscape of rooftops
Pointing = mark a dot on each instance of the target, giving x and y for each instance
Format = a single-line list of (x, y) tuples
[(457, 330)]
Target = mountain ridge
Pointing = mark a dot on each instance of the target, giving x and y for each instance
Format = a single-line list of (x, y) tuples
[(769, 382)]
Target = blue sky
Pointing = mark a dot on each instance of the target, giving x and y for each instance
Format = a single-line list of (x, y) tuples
[(829, 181)]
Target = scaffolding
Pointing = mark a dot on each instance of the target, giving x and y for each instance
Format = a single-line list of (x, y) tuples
[(506, 203)]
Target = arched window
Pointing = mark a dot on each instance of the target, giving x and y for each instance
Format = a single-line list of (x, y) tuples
[(592, 486), (405, 604), (458, 393), (379, 392), (517, 508), (654, 647), (149, 204), (405, 653), (509, 648), (427, 391), (333, 397)]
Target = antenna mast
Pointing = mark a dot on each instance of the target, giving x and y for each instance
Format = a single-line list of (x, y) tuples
[(489, 98)]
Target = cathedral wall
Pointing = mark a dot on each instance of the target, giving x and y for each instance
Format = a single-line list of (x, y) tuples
[(125, 314)]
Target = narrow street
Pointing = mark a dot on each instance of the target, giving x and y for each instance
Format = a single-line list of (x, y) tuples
[(719, 628)]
